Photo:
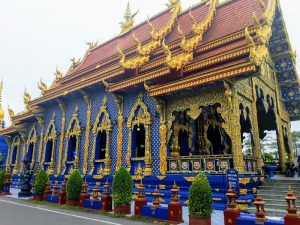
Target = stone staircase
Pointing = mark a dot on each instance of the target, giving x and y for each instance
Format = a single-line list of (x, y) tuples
[(273, 193)]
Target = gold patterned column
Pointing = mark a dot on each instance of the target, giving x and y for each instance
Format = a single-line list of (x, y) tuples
[(119, 102), (41, 123), (9, 154), (51, 165), (22, 154), (87, 99), (235, 130), (280, 141), (62, 106), (160, 105), (107, 160), (291, 155)]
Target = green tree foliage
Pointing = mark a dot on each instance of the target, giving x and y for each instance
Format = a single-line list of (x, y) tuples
[(40, 183), (200, 197), (122, 188), (74, 185), (2, 177)]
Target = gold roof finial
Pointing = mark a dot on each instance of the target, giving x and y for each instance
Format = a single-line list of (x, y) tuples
[(1, 109), (128, 22), (26, 99)]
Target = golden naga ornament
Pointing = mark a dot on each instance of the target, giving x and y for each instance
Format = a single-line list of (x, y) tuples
[(58, 74), (26, 100), (128, 22), (43, 87), (188, 45), (91, 45), (74, 62), (145, 50), (11, 113)]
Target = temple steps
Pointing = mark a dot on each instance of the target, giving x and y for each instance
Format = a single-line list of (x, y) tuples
[(273, 193)]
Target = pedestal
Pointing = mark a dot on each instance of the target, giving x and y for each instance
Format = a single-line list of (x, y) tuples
[(230, 216), (106, 202), (62, 198), (175, 212), (292, 219), (82, 198), (138, 203)]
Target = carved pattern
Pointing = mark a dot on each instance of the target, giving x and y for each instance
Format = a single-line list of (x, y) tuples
[(62, 135)]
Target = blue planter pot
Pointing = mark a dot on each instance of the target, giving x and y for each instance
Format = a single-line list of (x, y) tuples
[(270, 169)]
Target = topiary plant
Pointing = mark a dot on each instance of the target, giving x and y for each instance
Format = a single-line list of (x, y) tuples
[(2, 177), (122, 188), (74, 185), (200, 197), (40, 183)]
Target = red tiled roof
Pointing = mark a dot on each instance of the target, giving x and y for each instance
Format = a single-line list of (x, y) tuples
[(231, 17)]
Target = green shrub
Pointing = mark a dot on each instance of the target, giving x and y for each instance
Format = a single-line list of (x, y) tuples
[(2, 177), (200, 197), (122, 188), (74, 185), (40, 183)]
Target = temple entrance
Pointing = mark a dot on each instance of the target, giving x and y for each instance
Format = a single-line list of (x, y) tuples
[(138, 141), (48, 153), (72, 149), (201, 143), (100, 145)]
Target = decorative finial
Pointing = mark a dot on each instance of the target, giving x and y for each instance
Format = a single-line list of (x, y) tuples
[(26, 99), (128, 20), (43, 87), (11, 113), (58, 74), (1, 109)]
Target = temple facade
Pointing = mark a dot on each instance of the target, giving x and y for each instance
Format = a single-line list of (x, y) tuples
[(168, 98)]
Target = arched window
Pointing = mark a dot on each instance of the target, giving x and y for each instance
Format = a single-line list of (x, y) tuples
[(73, 136), (49, 146), (139, 142), (101, 147), (15, 146)]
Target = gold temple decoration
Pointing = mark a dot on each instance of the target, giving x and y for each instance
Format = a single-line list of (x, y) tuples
[(91, 46), (43, 87), (74, 62), (11, 113), (58, 75), (102, 124), (41, 123), (88, 101), (259, 52), (32, 139), (188, 45), (228, 94), (16, 144), (140, 115), (128, 22), (62, 106), (119, 102), (1, 109), (26, 100), (50, 136), (74, 131), (145, 50)]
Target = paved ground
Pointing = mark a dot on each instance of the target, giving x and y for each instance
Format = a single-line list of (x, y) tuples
[(15, 211)]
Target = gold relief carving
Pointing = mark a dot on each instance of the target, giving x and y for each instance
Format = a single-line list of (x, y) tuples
[(144, 118), (23, 151), (106, 126), (254, 190), (244, 181), (243, 191), (87, 99), (128, 22), (16, 143), (62, 136), (132, 63), (242, 206), (190, 179), (162, 187), (262, 179), (11, 114), (188, 45), (161, 177), (119, 102), (228, 94), (255, 179), (161, 107)]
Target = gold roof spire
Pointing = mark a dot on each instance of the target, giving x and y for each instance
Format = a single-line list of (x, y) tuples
[(128, 22)]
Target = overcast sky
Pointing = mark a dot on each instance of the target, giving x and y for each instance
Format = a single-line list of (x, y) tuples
[(38, 36)]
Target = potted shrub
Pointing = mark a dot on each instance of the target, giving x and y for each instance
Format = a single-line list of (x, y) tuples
[(74, 185), (122, 191), (40, 185), (2, 177), (200, 201)]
